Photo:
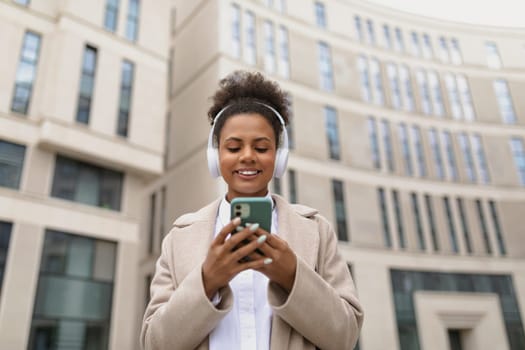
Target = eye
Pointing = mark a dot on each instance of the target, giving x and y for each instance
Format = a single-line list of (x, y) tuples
[(261, 150), (233, 149)]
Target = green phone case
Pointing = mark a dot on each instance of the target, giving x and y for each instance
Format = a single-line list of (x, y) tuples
[(253, 210)]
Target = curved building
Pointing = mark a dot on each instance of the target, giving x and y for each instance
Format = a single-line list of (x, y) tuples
[(408, 134)]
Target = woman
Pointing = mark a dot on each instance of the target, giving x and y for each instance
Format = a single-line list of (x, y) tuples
[(289, 289)]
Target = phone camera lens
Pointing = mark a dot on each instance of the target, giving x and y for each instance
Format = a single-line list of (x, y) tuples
[(238, 206), (238, 213)]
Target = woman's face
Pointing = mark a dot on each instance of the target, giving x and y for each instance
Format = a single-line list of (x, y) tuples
[(247, 155)]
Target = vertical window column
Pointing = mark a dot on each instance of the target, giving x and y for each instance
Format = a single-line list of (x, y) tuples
[(484, 227), (506, 107), (87, 84), (11, 164), (464, 225), (399, 220), (366, 89), (292, 185), (518, 153), (451, 226), (395, 90), (493, 58), (377, 81), (479, 154), (405, 147), (435, 91), (269, 43), (132, 26), (111, 16), (235, 13), (424, 91), (284, 55), (340, 210), (497, 227), (387, 144), (5, 238), (451, 157), (332, 133), (249, 50), (420, 153), (325, 67), (431, 222), (406, 88), (374, 142), (467, 157), (453, 96), (26, 73), (320, 15), (436, 153), (417, 221), (466, 98), (381, 198), (126, 85)]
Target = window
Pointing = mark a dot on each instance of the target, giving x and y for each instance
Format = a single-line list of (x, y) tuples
[(435, 90), (464, 225), (111, 16), (87, 84), (132, 27), (427, 47), (387, 37), (417, 221), (358, 28), (384, 216), (424, 91), (493, 58), (406, 88), (497, 227), (366, 90), (26, 73), (74, 293), (443, 50), (22, 2), (162, 218), (518, 153), (436, 153), (453, 96), (484, 228), (451, 158), (320, 14), (374, 143), (152, 220), (466, 99), (399, 43), (451, 227), (332, 132), (284, 55), (455, 52), (249, 44), (269, 54), (235, 30), (405, 148), (292, 184), (325, 67), (340, 211), (399, 220), (85, 183), (391, 70), (506, 108), (377, 81), (431, 222), (387, 143), (126, 85), (281, 6), (420, 154), (5, 237), (467, 156), (416, 49), (371, 36), (11, 163), (479, 153)]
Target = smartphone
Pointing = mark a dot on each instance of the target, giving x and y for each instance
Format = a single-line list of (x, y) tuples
[(253, 210)]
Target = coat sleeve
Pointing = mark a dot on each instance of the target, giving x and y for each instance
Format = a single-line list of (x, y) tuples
[(322, 305), (179, 315)]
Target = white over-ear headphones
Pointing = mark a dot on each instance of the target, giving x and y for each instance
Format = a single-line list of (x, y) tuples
[(281, 158)]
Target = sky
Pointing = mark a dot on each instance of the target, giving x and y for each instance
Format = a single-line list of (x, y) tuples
[(503, 13)]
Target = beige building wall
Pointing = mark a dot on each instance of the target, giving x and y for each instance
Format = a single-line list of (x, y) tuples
[(50, 129), (203, 56)]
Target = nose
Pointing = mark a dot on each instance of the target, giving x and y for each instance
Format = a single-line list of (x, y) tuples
[(247, 155)]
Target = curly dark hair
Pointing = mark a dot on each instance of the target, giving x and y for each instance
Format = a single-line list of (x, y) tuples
[(243, 92)]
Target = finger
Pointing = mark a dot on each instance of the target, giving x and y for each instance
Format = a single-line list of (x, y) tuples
[(257, 264), (240, 236), (248, 249), (226, 230)]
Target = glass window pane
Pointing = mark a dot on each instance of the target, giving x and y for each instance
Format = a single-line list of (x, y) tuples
[(11, 163)]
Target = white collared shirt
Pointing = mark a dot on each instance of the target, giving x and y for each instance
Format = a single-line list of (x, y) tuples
[(248, 324)]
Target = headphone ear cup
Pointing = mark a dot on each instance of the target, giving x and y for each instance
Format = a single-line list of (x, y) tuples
[(212, 154), (281, 161)]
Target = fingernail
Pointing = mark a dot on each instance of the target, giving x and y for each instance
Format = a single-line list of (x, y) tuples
[(267, 261), (239, 228), (236, 221), (261, 239), (254, 227)]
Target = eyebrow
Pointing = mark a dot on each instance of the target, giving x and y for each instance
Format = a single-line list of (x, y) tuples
[(237, 139)]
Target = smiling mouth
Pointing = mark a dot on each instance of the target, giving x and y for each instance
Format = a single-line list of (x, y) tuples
[(248, 172)]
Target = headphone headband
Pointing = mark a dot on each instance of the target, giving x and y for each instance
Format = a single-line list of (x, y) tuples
[(282, 152)]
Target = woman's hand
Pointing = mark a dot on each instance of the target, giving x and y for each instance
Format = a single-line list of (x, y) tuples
[(283, 264), (224, 261)]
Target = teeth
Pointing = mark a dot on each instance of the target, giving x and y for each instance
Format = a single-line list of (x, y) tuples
[(248, 172)]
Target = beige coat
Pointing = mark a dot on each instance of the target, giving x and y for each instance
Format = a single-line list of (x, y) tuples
[(322, 309)]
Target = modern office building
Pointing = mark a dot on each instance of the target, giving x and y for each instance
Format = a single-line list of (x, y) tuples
[(408, 133), (82, 112)]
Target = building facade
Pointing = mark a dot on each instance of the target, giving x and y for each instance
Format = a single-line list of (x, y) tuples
[(82, 113), (408, 133)]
